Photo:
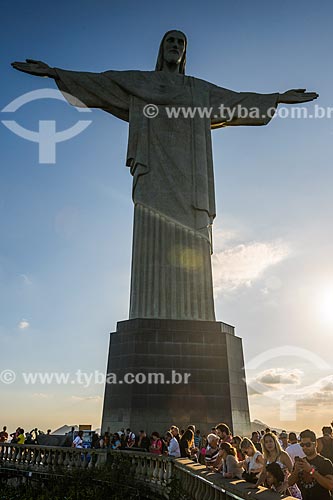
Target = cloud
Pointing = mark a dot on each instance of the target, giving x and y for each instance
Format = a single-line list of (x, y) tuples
[(281, 376), (41, 395), (252, 391), (309, 398), (23, 324), (25, 279), (318, 394), (274, 380), (242, 264), (86, 398)]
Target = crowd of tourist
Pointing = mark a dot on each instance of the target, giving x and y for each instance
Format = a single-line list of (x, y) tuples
[(300, 467), (21, 437)]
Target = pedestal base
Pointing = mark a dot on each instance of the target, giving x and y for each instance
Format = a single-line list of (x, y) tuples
[(208, 351)]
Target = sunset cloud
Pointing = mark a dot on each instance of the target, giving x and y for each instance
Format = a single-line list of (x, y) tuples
[(86, 398), (318, 394), (277, 383), (282, 376), (274, 379), (41, 395)]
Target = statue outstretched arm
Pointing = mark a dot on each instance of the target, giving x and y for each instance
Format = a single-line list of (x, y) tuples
[(36, 68), (84, 89), (249, 108), (296, 96)]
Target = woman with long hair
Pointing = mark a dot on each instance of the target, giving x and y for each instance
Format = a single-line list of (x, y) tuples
[(236, 442), (273, 452), (186, 444), (254, 461), (231, 468)]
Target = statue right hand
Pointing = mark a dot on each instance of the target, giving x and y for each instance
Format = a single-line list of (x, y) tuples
[(37, 68)]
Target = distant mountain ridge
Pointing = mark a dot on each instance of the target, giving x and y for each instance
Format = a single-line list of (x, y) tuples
[(258, 425)]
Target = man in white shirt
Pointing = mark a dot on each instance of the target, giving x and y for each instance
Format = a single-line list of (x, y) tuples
[(77, 443), (173, 446), (294, 449)]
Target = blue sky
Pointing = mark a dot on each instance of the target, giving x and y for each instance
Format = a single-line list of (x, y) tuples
[(66, 228)]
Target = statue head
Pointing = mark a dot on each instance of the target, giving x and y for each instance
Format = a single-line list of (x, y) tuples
[(172, 50)]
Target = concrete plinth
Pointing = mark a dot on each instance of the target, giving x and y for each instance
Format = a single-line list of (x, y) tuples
[(208, 351)]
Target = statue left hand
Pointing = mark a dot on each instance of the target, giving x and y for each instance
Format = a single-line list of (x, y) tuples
[(295, 96)]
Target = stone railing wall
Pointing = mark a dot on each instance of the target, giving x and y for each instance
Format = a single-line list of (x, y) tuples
[(160, 473), (199, 483), (155, 471), (35, 457)]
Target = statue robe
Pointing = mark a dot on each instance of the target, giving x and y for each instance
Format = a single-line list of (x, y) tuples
[(173, 180)]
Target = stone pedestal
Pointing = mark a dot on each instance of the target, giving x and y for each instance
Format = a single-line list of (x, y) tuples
[(150, 350)]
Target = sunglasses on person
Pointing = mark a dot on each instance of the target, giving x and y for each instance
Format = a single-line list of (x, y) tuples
[(307, 445)]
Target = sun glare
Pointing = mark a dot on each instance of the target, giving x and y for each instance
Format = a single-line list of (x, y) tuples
[(326, 306)]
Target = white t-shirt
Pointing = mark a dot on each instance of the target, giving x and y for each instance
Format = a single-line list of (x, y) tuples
[(77, 442), (295, 450), (130, 438), (253, 465)]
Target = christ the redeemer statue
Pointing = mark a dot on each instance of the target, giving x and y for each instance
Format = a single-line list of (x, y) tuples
[(171, 163)]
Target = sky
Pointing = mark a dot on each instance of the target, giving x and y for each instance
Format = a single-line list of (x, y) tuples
[(66, 227)]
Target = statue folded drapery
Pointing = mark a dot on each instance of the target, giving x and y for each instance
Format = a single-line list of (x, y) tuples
[(173, 182)]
